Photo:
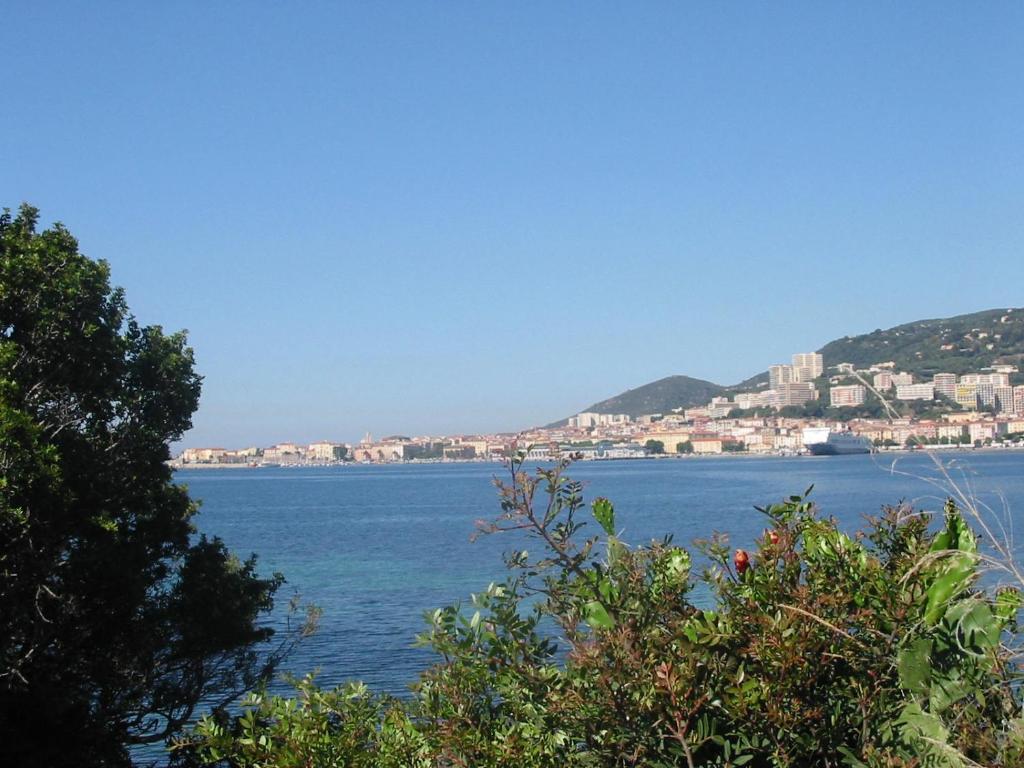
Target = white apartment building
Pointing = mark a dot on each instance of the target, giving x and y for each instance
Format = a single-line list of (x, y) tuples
[(326, 451), (807, 366), (882, 381), (795, 393), (719, 407), (848, 395), (945, 384), (590, 419), (997, 379), (967, 395), (902, 379), (780, 374), (915, 392), (1004, 399), (746, 400), (986, 394)]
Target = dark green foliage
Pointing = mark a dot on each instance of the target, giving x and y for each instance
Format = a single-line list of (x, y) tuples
[(822, 650), (655, 447), (659, 396), (918, 347), (114, 622)]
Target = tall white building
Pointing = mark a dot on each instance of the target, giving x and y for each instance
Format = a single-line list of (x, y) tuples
[(986, 394), (1018, 400), (807, 366), (779, 374), (945, 384), (1004, 399)]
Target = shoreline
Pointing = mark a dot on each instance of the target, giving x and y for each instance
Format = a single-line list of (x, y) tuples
[(939, 450)]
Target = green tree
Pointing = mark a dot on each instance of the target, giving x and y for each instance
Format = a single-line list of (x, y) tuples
[(655, 446), (116, 620), (684, 447)]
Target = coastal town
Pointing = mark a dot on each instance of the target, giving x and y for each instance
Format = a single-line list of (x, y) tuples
[(799, 400)]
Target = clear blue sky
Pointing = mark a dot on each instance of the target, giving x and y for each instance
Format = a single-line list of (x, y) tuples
[(462, 216)]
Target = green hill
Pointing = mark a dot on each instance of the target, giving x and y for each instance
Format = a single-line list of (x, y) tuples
[(926, 347), (952, 345), (659, 396)]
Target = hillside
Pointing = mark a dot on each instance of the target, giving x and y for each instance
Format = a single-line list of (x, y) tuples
[(660, 396), (952, 345), (925, 347)]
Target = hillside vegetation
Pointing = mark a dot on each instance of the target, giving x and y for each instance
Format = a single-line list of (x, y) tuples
[(925, 347), (660, 396)]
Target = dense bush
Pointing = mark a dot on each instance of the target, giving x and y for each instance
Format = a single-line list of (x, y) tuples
[(823, 649)]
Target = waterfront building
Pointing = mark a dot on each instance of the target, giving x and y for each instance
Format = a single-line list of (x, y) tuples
[(326, 451), (807, 366), (706, 445), (202, 455), (1018, 400), (981, 430), (284, 453), (381, 452), (915, 392), (952, 432), (670, 439), (849, 395), (945, 385)]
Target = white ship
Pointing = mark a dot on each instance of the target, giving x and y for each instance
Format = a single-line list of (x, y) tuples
[(822, 441)]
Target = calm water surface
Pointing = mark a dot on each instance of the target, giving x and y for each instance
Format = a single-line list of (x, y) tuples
[(376, 546)]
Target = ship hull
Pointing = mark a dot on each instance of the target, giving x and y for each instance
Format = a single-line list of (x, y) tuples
[(841, 444), (830, 449)]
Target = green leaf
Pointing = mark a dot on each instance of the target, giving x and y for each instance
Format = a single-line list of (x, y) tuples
[(596, 615), (604, 513), (915, 667), (956, 571), (1008, 602)]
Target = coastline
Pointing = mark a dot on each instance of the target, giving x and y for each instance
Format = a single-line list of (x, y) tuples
[(938, 449)]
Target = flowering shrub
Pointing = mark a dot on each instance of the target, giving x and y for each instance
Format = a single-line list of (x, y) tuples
[(880, 649)]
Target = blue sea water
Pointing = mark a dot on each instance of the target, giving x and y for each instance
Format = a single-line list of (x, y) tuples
[(377, 546)]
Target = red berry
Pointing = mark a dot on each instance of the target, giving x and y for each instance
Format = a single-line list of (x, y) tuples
[(773, 537), (741, 560)]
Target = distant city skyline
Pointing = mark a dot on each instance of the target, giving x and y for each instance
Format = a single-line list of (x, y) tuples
[(471, 218)]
